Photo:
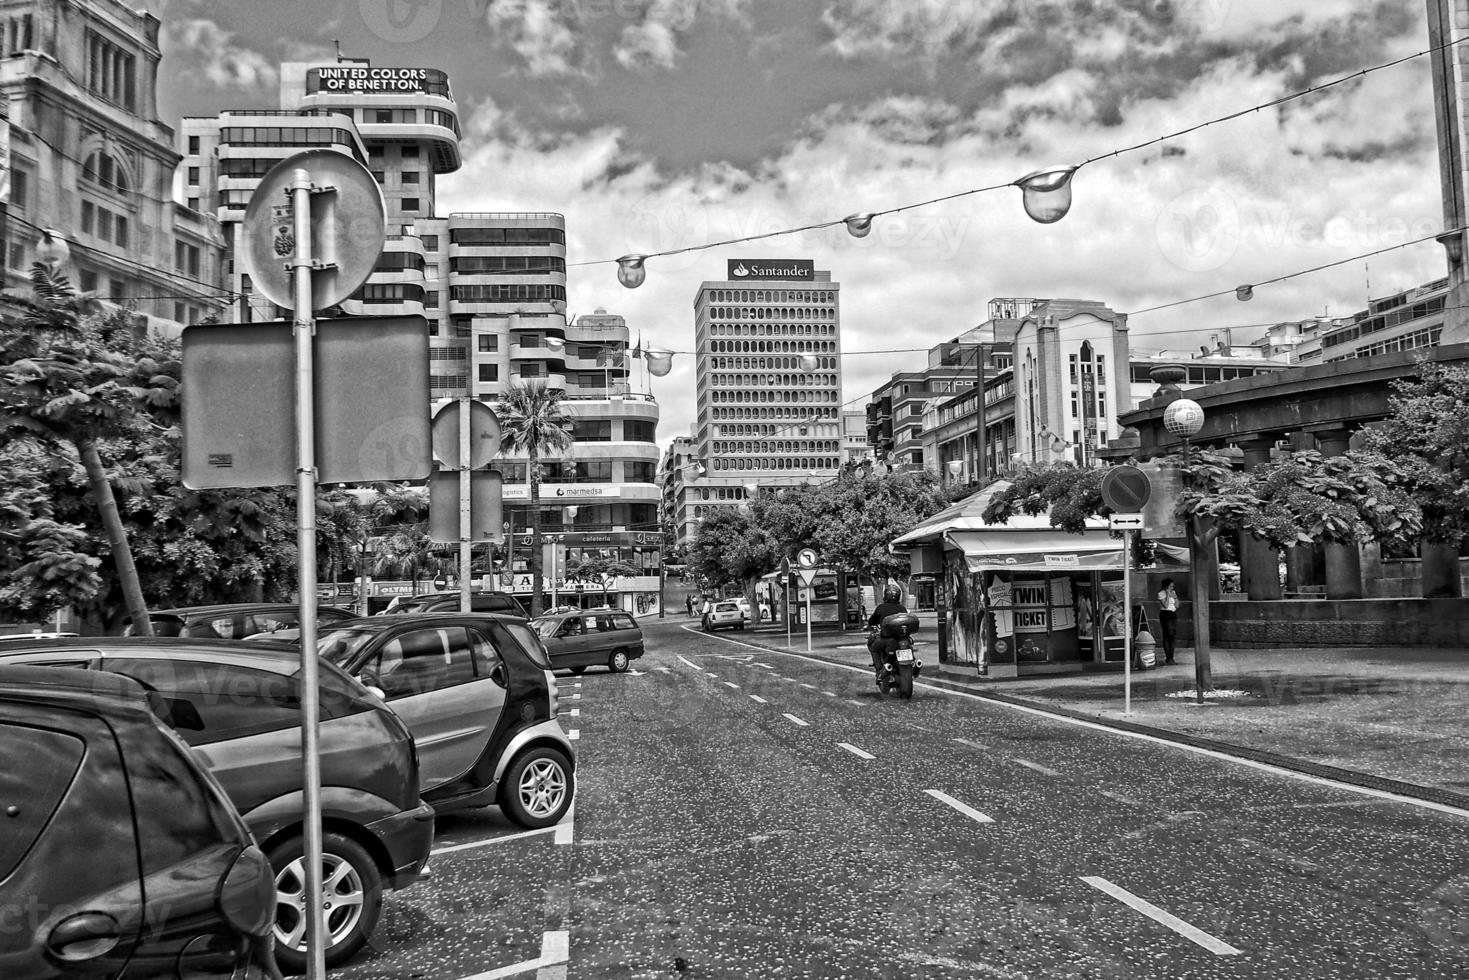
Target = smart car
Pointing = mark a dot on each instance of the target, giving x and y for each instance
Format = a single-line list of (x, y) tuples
[(235, 620), (239, 707), (120, 856), (580, 638), (477, 693)]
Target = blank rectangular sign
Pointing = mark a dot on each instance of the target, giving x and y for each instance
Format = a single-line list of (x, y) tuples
[(485, 506), (371, 397)]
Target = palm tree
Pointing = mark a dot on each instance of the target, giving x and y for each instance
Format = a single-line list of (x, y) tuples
[(531, 422)]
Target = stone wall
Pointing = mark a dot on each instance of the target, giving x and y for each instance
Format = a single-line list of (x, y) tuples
[(1338, 623)]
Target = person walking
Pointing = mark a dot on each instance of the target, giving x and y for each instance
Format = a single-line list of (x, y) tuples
[(688, 602), (1168, 618)]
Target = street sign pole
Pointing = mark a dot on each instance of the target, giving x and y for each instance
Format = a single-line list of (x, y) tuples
[(1126, 625), (809, 590), (786, 585), (305, 328), (466, 511)]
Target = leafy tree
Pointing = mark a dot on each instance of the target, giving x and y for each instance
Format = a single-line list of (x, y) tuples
[(597, 568), (63, 383), (532, 422), (731, 548), (44, 564), (409, 553)]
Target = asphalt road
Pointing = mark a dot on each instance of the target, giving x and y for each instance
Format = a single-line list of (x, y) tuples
[(744, 813)]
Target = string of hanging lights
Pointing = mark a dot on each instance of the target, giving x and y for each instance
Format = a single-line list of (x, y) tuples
[(1046, 194)]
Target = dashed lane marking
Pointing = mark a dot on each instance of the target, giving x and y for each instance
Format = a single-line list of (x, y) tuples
[(1129, 801), (711, 673), (830, 694), (663, 670), (758, 699), (486, 843), (731, 684), (963, 808), (573, 733), (555, 951), (758, 664), (565, 829), (576, 712), (972, 744), (690, 663), (809, 687), (796, 720), (1184, 929), (856, 751), (1043, 770), (860, 704)]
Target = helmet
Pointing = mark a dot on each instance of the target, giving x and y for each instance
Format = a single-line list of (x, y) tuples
[(892, 593)]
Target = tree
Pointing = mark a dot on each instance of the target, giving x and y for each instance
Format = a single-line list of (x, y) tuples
[(599, 569), (43, 561), (531, 422), (63, 383), (730, 547)]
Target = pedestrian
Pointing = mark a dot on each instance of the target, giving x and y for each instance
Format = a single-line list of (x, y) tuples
[(707, 612), (1168, 617), (688, 602)]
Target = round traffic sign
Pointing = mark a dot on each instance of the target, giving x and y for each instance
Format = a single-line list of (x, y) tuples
[(484, 434), (806, 558), (1126, 489), (347, 234)]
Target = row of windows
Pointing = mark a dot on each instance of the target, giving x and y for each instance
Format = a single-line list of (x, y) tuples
[(773, 413), (507, 293), (380, 294), (1201, 375), (111, 71), (719, 380), (771, 330), (1410, 341), (106, 171), (778, 446), (1381, 322), (765, 363), (773, 296), (508, 265), (399, 262), (772, 346), (771, 313), (186, 258), (507, 236), (447, 354), (806, 463), (110, 227), (289, 136), (1100, 371), (512, 472), (769, 395)]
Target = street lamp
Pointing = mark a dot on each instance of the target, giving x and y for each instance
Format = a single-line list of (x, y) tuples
[(1184, 418)]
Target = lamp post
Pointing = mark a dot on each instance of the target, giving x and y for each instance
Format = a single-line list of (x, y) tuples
[(1184, 418), (981, 435)]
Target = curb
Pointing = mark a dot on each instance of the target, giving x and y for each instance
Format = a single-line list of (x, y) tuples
[(1352, 777)]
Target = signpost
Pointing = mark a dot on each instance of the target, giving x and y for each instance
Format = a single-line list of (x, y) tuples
[(806, 558), (311, 252), (785, 583), (1125, 489), (466, 436)]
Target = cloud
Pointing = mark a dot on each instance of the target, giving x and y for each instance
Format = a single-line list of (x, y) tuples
[(207, 52), (544, 33), (653, 43)]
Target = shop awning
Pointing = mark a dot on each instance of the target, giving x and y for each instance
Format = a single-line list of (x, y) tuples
[(1049, 549)]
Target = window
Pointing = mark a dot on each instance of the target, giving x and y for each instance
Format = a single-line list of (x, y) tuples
[(194, 175), (508, 265), (193, 204), (489, 343), (507, 236), (19, 189), (591, 430), (430, 243), (89, 211), (421, 661), (431, 299), (111, 71), (637, 430), (489, 372), (410, 176), (88, 281), (410, 152), (410, 204), (209, 702), (120, 231), (530, 370), (506, 293), (193, 145), (381, 115), (639, 472), (186, 258), (17, 258)]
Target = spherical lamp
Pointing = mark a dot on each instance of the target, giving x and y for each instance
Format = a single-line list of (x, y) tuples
[(859, 225), (1046, 194), (1184, 418), (660, 362), (631, 271), (809, 363)]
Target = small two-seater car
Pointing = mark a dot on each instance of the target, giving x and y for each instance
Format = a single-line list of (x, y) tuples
[(576, 639), (237, 620), (120, 856), (477, 693), (238, 706)]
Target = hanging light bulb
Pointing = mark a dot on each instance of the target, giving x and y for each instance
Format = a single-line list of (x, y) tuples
[(557, 345), (1046, 193), (630, 270), (660, 362), (52, 250), (859, 225), (809, 363), (1244, 293)]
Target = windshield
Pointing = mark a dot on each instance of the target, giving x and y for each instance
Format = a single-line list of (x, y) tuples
[(545, 627), (338, 646)]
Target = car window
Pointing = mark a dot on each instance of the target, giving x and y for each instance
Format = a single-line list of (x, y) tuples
[(589, 624), (339, 647), (524, 637), (570, 627), (213, 626), (421, 661), (482, 654), (623, 621), (207, 702), (270, 622), (34, 789)]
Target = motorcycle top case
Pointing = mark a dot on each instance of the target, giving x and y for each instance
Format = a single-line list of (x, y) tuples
[(899, 625)]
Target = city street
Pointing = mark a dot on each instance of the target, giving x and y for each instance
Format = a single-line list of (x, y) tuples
[(748, 813)]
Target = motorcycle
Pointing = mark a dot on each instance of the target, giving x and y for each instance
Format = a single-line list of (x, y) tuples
[(899, 664)]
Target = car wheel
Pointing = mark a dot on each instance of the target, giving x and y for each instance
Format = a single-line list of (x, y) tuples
[(617, 663), (352, 899), (538, 788)]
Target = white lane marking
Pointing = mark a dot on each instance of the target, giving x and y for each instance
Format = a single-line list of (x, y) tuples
[(576, 712), (963, 808), (797, 721), (971, 744), (1044, 771), (486, 843), (1126, 799), (555, 953), (1152, 911), (732, 684), (711, 673), (664, 670), (577, 684), (576, 697), (564, 829), (809, 687), (856, 751), (758, 664), (860, 704), (690, 663), (1137, 736), (573, 733), (758, 699), (830, 694)]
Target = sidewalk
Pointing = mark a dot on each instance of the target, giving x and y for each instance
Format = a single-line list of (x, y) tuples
[(1393, 716)]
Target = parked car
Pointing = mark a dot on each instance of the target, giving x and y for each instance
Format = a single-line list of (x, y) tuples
[(235, 620), (238, 706), (481, 602), (725, 614), (477, 693), (120, 855), (580, 638)]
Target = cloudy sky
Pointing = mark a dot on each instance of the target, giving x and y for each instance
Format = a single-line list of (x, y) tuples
[(663, 124)]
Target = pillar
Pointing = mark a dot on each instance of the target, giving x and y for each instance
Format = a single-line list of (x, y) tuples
[(1343, 561), (1439, 566), (1259, 561)]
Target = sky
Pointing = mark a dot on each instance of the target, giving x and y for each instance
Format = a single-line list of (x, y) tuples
[(655, 125)]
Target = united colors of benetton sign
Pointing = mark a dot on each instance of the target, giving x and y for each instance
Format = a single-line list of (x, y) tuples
[(772, 269)]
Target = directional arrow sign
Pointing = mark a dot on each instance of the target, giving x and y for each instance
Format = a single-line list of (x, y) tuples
[(1125, 522)]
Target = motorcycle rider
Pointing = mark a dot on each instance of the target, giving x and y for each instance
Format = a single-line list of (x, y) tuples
[(876, 644)]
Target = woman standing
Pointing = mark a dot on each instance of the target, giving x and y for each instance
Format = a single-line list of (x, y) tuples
[(1168, 617)]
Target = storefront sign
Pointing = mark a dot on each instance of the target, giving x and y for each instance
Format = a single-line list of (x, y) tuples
[(562, 493), (1063, 561), (364, 79), (802, 269)]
